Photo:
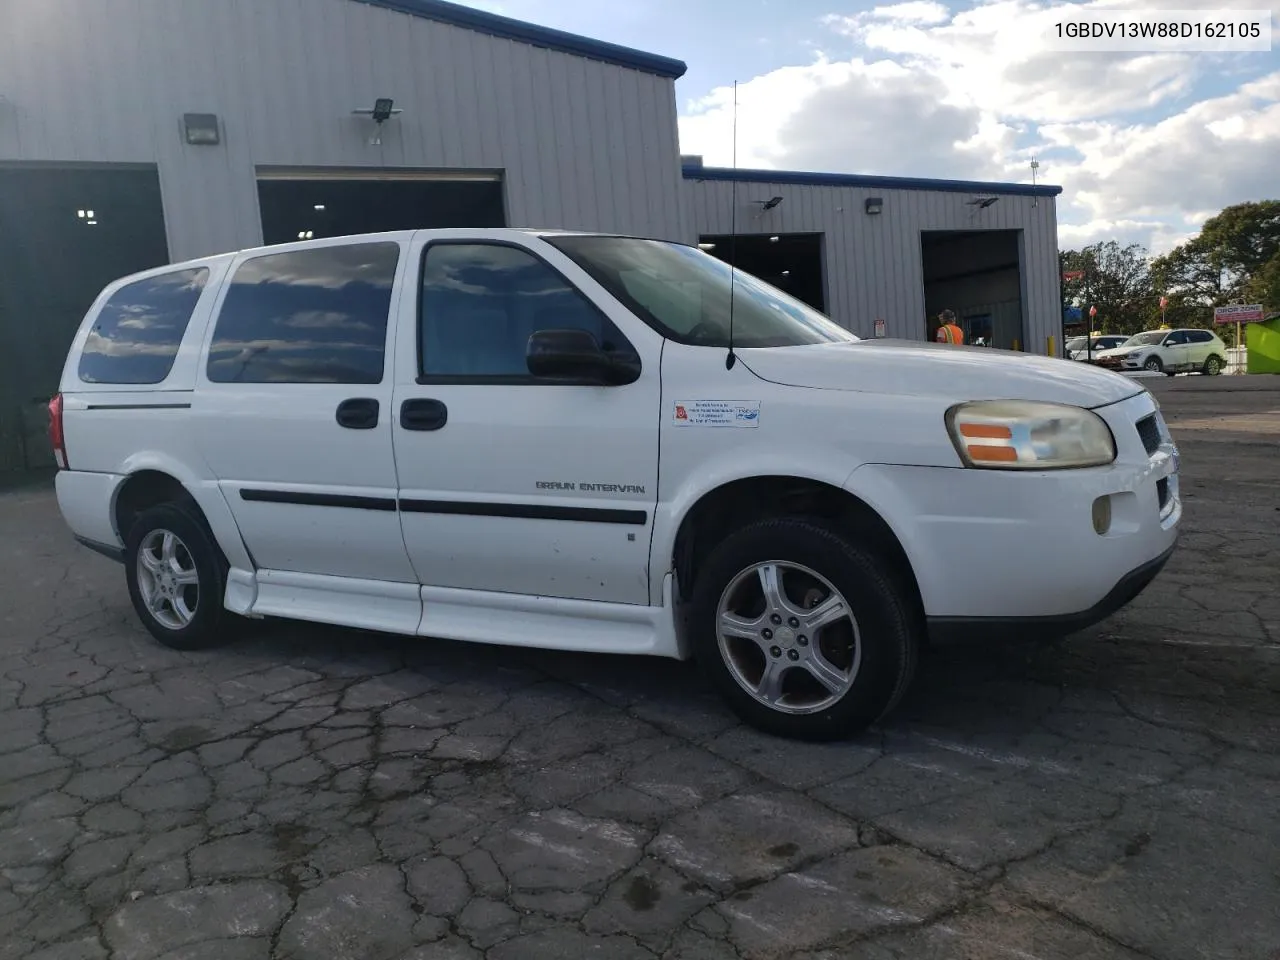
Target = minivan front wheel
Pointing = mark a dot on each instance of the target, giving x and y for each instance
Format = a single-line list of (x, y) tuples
[(176, 576), (1154, 365), (801, 631)]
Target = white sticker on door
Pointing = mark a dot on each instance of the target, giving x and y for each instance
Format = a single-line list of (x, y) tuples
[(716, 413)]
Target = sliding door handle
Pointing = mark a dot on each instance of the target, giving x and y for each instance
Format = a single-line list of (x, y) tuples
[(422, 414), (360, 413)]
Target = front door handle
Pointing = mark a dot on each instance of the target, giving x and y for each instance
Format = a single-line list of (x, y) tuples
[(423, 414), (359, 413)]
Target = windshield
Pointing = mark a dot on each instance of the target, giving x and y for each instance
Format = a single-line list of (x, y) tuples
[(683, 293), (1146, 339), (1077, 343)]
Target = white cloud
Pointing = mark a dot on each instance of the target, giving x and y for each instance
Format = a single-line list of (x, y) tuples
[(848, 116), (913, 11), (974, 95), (1214, 153), (1157, 237), (998, 54)]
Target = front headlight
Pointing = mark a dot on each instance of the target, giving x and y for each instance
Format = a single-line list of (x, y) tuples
[(1027, 435)]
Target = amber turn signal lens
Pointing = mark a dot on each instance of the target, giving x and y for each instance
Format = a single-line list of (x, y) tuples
[(993, 454), (986, 431)]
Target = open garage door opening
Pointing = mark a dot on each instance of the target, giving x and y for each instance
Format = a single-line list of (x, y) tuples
[(792, 262), (978, 275), (298, 206), (65, 233)]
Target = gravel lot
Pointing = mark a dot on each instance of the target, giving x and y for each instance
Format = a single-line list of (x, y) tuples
[(318, 793)]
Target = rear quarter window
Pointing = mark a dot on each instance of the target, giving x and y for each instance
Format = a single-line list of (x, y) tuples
[(136, 335), (307, 316)]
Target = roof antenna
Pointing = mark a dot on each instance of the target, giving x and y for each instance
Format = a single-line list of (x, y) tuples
[(733, 228)]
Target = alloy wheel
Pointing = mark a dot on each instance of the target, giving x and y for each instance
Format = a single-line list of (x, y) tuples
[(788, 637), (168, 579)]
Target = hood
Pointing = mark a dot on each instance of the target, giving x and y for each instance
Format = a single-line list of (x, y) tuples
[(916, 368)]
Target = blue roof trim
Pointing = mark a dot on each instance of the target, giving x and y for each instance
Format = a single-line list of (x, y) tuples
[(509, 29), (694, 172)]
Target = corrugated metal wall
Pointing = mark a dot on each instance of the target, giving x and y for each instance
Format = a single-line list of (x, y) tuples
[(584, 145), (873, 263)]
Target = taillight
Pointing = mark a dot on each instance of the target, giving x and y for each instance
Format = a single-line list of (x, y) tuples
[(57, 439)]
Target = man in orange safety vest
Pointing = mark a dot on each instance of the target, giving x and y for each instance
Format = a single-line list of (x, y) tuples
[(949, 331)]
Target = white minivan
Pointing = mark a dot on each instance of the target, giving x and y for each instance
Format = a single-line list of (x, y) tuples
[(596, 443)]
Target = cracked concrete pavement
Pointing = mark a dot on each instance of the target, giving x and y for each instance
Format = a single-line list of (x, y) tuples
[(319, 793)]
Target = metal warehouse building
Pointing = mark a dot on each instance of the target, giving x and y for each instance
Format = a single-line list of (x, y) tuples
[(140, 132), (900, 250)]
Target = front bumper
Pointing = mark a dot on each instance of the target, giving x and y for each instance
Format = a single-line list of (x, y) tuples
[(1130, 586), (991, 546), (1115, 363), (1126, 364)]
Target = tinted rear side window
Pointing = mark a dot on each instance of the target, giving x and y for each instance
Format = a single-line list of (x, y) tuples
[(140, 327), (307, 316)]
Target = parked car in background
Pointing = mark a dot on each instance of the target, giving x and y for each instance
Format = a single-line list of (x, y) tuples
[(1169, 352), (1078, 348), (557, 440)]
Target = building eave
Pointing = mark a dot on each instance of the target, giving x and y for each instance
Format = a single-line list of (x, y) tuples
[(806, 178), (505, 27)]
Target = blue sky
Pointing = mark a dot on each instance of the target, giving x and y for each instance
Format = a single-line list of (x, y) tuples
[(1146, 146), (719, 39)]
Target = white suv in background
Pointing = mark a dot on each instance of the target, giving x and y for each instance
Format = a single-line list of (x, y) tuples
[(1168, 351), (580, 442)]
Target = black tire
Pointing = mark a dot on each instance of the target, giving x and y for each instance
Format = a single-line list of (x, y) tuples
[(1154, 364), (212, 624), (887, 618), (1213, 366)]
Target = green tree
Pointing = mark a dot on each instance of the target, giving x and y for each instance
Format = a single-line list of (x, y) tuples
[(1115, 279), (1072, 267), (1222, 262), (1264, 285)]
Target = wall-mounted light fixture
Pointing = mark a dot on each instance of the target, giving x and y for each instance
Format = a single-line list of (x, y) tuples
[(874, 205), (383, 109), (201, 129)]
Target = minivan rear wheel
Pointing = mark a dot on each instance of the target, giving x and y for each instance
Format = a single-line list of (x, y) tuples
[(177, 576), (1212, 366), (802, 630)]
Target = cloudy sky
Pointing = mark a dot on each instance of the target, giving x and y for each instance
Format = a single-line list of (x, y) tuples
[(1146, 146)]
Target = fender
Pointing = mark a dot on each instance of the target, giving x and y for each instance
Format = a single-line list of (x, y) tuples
[(873, 484), (745, 463), (206, 493)]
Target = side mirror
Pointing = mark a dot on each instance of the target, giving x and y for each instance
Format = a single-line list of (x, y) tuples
[(576, 355)]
